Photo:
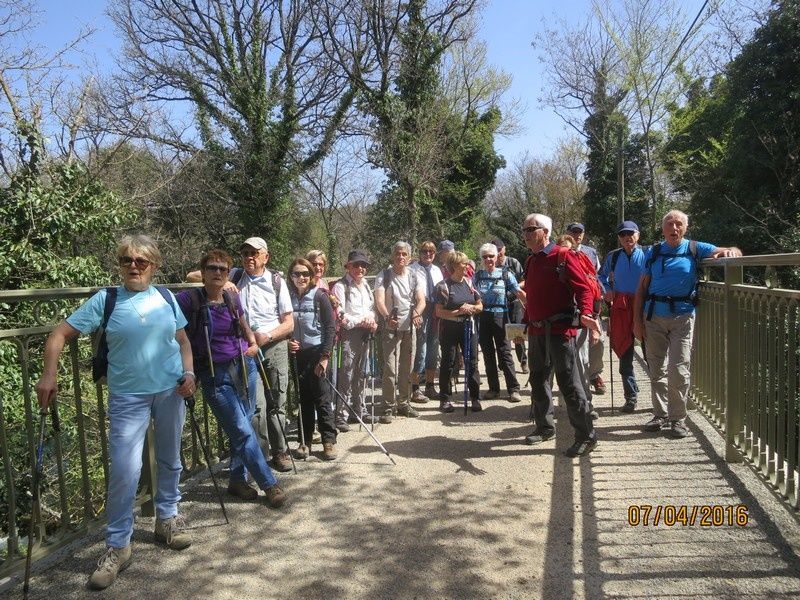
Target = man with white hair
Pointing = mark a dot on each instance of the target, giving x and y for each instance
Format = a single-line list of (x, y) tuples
[(664, 318), (555, 286), (400, 301)]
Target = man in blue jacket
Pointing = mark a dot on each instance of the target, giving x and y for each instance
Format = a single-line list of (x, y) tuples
[(664, 317)]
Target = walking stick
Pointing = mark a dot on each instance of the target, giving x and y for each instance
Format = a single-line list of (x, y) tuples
[(189, 400), (293, 358), (268, 394), (360, 420), (35, 484), (467, 353), (611, 355)]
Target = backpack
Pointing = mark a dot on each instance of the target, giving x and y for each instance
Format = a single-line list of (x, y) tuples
[(694, 295), (318, 294), (509, 295), (100, 356), (195, 327), (237, 273), (587, 270), (388, 275)]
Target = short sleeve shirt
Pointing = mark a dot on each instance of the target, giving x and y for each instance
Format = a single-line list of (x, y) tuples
[(143, 355), (452, 295), (400, 294), (225, 341), (673, 273), (260, 304)]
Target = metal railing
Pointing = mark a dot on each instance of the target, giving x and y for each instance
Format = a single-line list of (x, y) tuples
[(76, 460), (745, 367)]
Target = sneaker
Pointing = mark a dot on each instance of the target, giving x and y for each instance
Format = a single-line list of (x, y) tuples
[(366, 418), (431, 392), (539, 435), (524, 367), (418, 397), (491, 395), (476, 405), (275, 496), (170, 531), (581, 448), (387, 417), (514, 397), (328, 451), (113, 562), (629, 406), (404, 410), (446, 406), (240, 489), (678, 430), (342, 426), (302, 452), (281, 462), (599, 386), (316, 438), (656, 424)]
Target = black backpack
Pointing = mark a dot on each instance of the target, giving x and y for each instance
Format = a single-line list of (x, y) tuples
[(195, 327), (100, 357)]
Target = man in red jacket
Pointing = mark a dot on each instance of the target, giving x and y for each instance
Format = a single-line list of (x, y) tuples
[(549, 310)]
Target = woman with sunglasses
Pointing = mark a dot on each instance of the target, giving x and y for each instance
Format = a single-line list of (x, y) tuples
[(310, 349), (217, 323), (148, 352)]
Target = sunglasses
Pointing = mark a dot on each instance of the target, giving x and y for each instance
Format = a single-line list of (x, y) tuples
[(141, 263), (531, 229), (298, 274), (427, 251), (359, 265), (217, 268), (625, 234), (575, 231)]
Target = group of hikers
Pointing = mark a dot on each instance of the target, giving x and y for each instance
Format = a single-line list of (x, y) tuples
[(247, 331)]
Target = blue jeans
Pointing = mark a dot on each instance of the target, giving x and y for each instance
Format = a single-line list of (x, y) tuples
[(234, 415), (426, 357), (629, 386), (129, 417)]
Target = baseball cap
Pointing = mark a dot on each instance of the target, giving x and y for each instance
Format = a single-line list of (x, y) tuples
[(357, 256), (572, 226), (254, 242), (627, 226), (446, 246)]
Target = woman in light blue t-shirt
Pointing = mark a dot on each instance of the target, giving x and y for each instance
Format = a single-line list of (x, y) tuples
[(148, 352)]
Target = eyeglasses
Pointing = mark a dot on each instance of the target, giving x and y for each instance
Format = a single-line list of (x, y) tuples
[(488, 256), (217, 268), (298, 274), (625, 234), (141, 263), (575, 231), (531, 229), (249, 253)]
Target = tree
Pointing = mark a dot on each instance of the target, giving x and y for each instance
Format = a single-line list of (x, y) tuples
[(267, 101)]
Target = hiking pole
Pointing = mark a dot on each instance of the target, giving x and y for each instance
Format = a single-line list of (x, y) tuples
[(467, 352), (349, 407), (189, 400), (611, 355), (268, 394), (36, 497), (296, 378), (373, 369)]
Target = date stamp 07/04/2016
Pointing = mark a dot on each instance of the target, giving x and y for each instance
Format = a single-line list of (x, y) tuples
[(688, 515)]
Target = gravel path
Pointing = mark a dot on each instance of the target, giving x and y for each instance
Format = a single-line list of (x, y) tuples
[(471, 512)]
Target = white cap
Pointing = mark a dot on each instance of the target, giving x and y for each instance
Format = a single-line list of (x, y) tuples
[(255, 242)]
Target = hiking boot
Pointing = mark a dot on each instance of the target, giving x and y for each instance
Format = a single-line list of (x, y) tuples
[(476, 405), (404, 410), (491, 395), (678, 430), (524, 367), (302, 452), (514, 397), (113, 562), (431, 392), (274, 496), (581, 448), (599, 386), (594, 414), (539, 435), (342, 426), (418, 397), (328, 451), (240, 489), (281, 462), (656, 424), (629, 406), (170, 531), (316, 438), (387, 417), (446, 406)]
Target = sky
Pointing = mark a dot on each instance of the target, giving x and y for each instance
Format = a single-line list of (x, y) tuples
[(507, 26)]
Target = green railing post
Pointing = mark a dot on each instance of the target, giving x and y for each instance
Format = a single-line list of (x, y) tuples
[(733, 365)]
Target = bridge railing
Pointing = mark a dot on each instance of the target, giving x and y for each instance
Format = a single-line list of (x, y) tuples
[(76, 460), (745, 366)]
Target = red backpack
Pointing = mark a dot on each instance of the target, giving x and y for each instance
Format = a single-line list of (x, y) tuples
[(587, 271)]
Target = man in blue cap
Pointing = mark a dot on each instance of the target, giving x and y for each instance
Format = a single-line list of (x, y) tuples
[(620, 276), (591, 354)]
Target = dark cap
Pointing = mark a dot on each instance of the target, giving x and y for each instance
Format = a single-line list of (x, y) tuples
[(357, 256), (499, 244), (572, 226), (627, 226), (446, 246)]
